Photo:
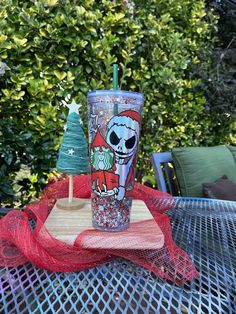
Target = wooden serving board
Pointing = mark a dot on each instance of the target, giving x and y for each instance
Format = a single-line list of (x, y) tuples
[(66, 225)]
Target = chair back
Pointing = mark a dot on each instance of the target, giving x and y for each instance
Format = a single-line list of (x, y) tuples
[(165, 173)]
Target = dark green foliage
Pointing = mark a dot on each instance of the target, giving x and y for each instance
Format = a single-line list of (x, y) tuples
[(221, 90), (54, 48), (12, 155)]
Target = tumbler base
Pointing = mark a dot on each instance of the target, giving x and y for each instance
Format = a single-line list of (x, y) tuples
[(108, 229)]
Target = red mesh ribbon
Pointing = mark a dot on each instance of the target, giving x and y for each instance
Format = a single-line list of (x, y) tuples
[(20, 244)]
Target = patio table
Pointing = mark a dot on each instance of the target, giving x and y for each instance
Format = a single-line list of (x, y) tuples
[(205, 229)]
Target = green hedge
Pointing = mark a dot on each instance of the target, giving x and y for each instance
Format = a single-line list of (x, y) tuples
[(51, 49)]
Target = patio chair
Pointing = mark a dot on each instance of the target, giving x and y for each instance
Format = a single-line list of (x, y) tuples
[(165, 173)]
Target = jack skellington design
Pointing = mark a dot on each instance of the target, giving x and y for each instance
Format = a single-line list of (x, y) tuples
[(122, 139)]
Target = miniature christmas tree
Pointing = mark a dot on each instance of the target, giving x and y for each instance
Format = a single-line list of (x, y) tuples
[(73, 153)]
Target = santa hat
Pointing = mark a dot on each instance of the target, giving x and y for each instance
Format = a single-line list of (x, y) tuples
[(130, 118), (132, 114), (99, 141)]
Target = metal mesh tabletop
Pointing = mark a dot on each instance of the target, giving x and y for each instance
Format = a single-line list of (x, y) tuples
[(205, 229)]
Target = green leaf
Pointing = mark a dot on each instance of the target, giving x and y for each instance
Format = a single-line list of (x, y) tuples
[(60, 75), (50, 3), (19, 41), (2, 38), (149, 179), (7, 189)]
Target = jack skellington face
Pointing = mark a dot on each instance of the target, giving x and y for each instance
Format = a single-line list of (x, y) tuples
[(123, 134)]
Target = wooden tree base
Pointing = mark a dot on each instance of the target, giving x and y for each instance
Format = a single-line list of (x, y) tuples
[(76, 203)]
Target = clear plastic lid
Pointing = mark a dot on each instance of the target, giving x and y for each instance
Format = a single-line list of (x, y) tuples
[(116, 93)]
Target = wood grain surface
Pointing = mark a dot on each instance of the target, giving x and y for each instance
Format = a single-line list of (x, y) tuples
[(66, 225)]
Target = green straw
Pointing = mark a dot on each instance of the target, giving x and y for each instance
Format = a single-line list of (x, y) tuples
[(115, 86), (115, 76)]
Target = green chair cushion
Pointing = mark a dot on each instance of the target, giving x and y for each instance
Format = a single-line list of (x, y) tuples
[(197, 165), (233, 151)]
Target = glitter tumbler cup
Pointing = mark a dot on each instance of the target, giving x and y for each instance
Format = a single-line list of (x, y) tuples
[(114, 127)]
